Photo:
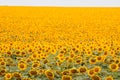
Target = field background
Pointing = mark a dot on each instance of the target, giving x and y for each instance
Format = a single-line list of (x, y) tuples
[(59, 43)]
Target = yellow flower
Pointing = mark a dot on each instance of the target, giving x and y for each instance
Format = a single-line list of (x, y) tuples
[(35, 64), (65, 72), (62, 59), (33, 72), (49, 74), (113, 67), (17, 53), (8, 76), (89, 53), (45, 61), (53, 50), (96, 77), (17, 75), (23, 54), (41, 71), (2, 59), (91, 72), (109, 78), (79, 60), (9, 53), (22, 66), (3, 63), (72, 55), (26, 79), (92, 60), (105, 53), (82, 69), (99, 58), (3, 71), (66, 77), (73, 71), (34, 56), (97, 69)]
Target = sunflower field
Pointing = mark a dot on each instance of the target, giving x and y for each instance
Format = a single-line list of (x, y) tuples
[(59, 43)]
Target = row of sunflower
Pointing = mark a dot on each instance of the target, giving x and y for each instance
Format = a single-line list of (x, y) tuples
[(42, 44)]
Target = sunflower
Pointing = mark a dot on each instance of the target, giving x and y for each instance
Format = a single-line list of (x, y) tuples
[(78, 61), (72, 55), (53, 51), (45, 61), (65, 72), (28, 60), (70, 60), (91, 72), (66, 77), (58, 72), (3, 63), (105, 53), (41, 71), (3, 71), (112, 53), (97, 69), (109, 78), (9, 61), (8, 76), (96, 77), (92, 60), (62, 59), (26, 79), (34, 56), (113, 67), (82, 69), (17, 75), (9, 53), (60, 55), (100, 49), (49, 74), (89, 53), (33, 72), (73, 71), (22, 66), (23, 53), (35, 64), (17, 53), (99, 58), (2, 59)]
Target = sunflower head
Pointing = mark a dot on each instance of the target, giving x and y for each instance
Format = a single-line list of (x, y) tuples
[(22, 66), (91, 72), (73, 71), (113, 67), (82, 69), (109, 78), (66, 77), (49, 74), (8, 76), (97, 69), (96, 77)]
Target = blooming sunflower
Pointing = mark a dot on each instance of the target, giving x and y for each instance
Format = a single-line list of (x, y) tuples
[(66, 77), (8, 76), (109, 78), (97, 69), (49, 74), (22, 66), (113, 67), (82, 69), (96, 77), (91, 72)]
